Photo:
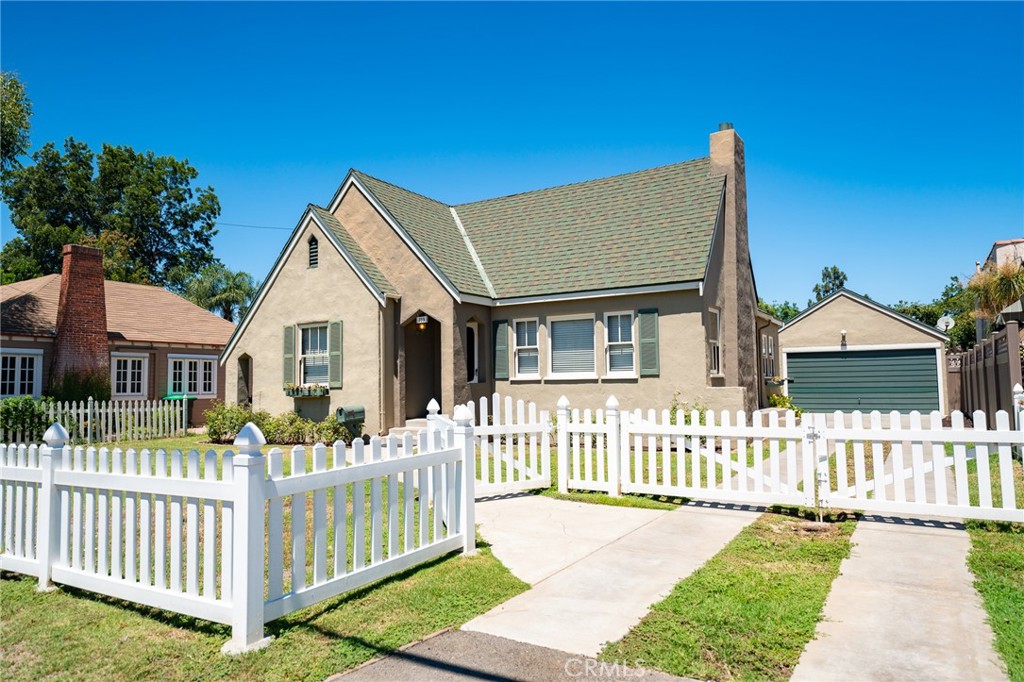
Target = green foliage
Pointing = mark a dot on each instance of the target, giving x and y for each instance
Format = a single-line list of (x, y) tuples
[(996, 286), (15, 112), (139, 207), (74, 386), (954, 301), (223, 422), (676, 406), (785, 402), (832, 280), (784, 311), (216, 288), (24, 413)]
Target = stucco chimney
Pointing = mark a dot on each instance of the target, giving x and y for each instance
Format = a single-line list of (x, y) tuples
[(81, 345), (737, 298)]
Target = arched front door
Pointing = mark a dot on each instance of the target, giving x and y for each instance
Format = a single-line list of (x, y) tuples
[(422, 364)]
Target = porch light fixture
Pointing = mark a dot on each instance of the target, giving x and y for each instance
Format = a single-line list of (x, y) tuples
[(842, 333), (421, 322)]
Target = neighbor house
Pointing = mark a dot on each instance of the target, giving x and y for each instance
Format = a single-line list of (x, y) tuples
[(638, 285), (150, 341), (847, 352)]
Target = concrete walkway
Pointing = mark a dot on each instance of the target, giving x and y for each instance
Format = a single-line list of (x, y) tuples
[(902, 608), (595, 570)]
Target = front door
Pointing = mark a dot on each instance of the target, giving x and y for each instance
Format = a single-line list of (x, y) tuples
[(422, 364)]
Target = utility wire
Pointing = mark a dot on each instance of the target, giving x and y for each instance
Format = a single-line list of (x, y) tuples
[(254, 227)]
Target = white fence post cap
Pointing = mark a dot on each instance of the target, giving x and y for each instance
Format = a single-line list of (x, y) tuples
[(1017, 388), (563, 402), (613, 403), (463, 415), (56, 436), (433, 407), (250, 435)]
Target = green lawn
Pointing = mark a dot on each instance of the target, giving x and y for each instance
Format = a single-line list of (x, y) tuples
[(749, 611), (73, 635)]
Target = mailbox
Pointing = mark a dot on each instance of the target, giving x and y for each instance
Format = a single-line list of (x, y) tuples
[(352, 417)]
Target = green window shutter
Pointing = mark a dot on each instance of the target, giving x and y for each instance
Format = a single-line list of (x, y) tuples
[(500, 349), (335, 345), (649, 364), (289, 355)]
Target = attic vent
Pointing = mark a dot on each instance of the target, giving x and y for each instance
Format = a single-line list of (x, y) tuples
[(314, 252)]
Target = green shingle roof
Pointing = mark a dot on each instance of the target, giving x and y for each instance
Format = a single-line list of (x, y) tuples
[(645, 228), (358, 255), (431, 225)]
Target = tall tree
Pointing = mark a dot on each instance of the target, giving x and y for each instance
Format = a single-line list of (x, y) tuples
[(15, 112), (954, 301), (216, 288), (832, 280), (141, 206)]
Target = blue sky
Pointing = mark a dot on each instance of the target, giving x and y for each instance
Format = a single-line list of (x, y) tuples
[(887, 139)]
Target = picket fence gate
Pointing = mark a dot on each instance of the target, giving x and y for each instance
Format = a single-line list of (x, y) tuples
[(513, 446), (99, 421), (185, 532), (854, 463)]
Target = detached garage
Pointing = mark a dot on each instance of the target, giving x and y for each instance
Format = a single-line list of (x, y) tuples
[(849, 353)]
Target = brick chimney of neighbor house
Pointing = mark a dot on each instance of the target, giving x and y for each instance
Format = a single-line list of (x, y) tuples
[(738, 300), (81, 345)]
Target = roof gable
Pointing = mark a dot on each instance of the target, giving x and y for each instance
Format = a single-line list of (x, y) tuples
[(867, 302)]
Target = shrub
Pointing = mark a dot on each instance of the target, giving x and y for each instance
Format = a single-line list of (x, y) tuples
[(676, 406), (785, 402), (329, 431), (223, 422), (81, 386), (24, 414)]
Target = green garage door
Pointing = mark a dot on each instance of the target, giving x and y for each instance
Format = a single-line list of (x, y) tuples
[(901, 379)]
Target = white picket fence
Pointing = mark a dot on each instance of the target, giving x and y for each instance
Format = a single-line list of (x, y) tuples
[(89, 421), (185, 532), (856, 463), (513, 445)]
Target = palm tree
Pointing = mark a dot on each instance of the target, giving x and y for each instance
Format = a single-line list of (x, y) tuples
[(996, 286), (222, 291)]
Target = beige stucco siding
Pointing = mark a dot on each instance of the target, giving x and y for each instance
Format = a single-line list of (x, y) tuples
[(681, 352), (864, 326), (302, 295), (420, 289)]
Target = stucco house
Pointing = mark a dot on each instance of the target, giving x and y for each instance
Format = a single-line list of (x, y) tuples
[(638, 285), (150, 341), (847, 352)]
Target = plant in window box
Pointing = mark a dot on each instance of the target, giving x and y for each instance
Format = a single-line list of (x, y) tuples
[(776, 381)]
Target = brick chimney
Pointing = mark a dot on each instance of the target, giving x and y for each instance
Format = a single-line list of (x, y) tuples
[(81, 345), (737, 297)]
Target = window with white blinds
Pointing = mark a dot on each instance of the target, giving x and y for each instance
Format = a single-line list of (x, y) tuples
[(527, 350), (572, 346), (619, 343)]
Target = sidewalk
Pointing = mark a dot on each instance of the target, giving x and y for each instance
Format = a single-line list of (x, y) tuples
[(595, 570), (903, 607)]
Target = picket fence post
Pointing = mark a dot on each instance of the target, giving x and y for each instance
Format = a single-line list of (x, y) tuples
[(614, 444), (248, 555), (563, 445), (465, 441), (1018, 414), (48, 541)]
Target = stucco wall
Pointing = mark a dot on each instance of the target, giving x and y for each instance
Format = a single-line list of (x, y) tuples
[(303, 295), (681, 350), (419, 289), (864, 326)]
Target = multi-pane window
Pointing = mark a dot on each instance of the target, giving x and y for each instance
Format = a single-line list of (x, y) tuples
[(194, 376), (313, 362), (619, 343), (129, 376), (18, 374), (314, 252), (527, 353), (768, 356), (572, 346), (714, 343)]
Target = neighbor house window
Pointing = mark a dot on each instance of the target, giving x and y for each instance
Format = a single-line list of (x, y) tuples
[(472, 352), (128, 375), (768, 356), (20, 373), (619, 352), (313, 362), (193, 375), (572, 347), (526, 349), (714, 343), (314, 252)]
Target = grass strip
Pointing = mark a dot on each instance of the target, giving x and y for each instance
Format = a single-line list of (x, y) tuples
[(749, 611), (70, 634), (997, 561)]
